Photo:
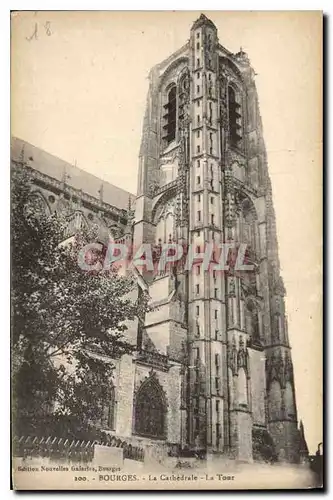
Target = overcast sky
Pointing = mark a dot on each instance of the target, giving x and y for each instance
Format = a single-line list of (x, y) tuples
[(79, 92)]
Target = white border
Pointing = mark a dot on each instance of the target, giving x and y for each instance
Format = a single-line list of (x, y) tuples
[(5, 7)]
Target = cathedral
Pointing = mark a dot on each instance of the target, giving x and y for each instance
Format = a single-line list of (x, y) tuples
[(212, 370)]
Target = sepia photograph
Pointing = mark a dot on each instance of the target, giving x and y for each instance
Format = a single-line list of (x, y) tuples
[(166, 250)]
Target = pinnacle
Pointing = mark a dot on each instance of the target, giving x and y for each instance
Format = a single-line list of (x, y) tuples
[(202, 20)]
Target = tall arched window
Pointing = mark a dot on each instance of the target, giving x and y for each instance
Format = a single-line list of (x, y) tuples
[(164, 228), (248, 226), (75, 223), (168, 227), (109, 414), (150, 410), (252, 321), (242, 387), (235, 117), (275, 400), (169, 128), (38, 204)]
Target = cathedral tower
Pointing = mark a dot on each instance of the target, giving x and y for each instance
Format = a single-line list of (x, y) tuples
[(203, 181)]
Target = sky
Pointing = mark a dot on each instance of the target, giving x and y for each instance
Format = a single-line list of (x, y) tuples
[(79, 87)]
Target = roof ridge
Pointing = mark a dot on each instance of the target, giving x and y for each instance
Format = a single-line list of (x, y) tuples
[(80, 172)]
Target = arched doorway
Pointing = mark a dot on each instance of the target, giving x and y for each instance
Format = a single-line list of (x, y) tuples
[(150, 410)]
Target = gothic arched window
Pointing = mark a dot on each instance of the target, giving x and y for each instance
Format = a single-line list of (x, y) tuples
[(150, 410), (165, 226), (75, 223), (252, 321), (275, 400), (242, 387), (235, 117), (109, 414), (248, 227), (38, 204), (169, 128)]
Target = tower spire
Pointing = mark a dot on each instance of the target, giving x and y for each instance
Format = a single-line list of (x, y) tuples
[(303, 447)]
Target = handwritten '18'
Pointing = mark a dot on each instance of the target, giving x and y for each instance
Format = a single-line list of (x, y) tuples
[(34, 35)]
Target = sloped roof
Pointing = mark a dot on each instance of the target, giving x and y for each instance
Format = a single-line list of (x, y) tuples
[(76, 177)]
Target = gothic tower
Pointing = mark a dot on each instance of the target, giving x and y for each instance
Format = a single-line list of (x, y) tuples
[(203, 181)]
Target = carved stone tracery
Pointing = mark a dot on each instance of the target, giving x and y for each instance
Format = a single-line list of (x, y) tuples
[(150, 408), (182, 211), (279, 368)]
